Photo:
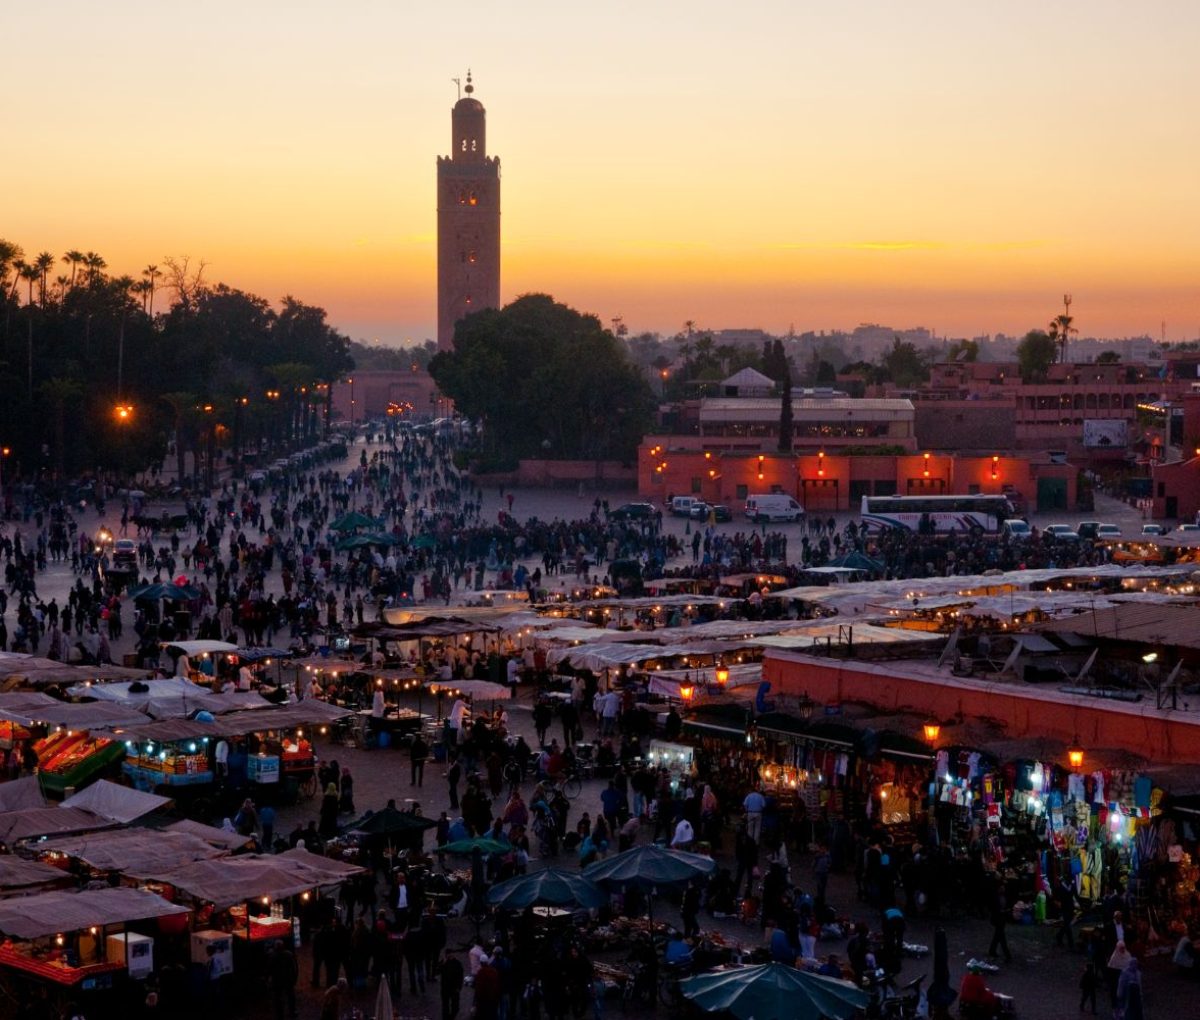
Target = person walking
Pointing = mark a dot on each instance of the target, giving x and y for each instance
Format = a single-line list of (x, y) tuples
[(417, 754), (452, 983), (283, 974), (1088, 983), (999, 920), (453, 775), (1064, 894)]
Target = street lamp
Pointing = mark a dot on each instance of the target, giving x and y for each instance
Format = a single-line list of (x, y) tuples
[(686, 691), (123, 412), (932, 730)]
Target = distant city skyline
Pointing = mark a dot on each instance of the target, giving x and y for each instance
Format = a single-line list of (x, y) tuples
[(958, 166)]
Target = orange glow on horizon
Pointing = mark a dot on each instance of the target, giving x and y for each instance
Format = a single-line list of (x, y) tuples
[(963, 188)]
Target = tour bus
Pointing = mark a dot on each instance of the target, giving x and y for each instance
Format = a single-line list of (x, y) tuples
[(939, 514)]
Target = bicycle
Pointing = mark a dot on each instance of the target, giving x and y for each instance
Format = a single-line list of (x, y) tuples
[(308, 785), (571, 785)]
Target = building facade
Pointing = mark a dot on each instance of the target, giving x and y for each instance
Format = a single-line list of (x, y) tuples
[(468, 213)]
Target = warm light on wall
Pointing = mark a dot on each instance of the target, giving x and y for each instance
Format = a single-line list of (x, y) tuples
[(995, 466), (821, 464), (926, 465), (760, 467)]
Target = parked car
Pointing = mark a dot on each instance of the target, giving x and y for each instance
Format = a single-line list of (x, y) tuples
[(720, 513), (1088, 529), (1014, 527), (1188, 527), (1061, 532), (773, 506), (682, 506), (634, 512), (1108, 532), (1153, 529)]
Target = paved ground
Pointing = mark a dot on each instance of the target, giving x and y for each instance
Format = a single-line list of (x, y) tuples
[(1043, 979)]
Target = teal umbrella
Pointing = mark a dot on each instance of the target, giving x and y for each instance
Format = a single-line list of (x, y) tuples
[(650, 865), (424, 542), (467, 846), (855, 560), (553, 887), (353, 521), (775, 991)]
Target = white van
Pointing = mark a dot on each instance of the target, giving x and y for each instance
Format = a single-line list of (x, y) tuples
[(681, 506), (773, 506)]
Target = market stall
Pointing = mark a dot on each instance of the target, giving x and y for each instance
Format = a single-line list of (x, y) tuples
[(80, 942)]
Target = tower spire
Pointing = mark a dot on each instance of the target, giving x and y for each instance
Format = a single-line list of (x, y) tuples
[(470, 88)]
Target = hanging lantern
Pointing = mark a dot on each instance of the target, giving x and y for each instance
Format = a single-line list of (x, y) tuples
[(932, 731), (722, 675), (686, 691), (1075, 754)]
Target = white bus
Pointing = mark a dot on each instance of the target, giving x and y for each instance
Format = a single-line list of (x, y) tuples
[(936, 514)]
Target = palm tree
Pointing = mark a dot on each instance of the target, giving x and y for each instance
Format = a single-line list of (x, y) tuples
[(57, 392), (151, 273), (180, 403), (95, 263), (1060, 332), (30, 273), (10, 255), (44, 262), (73, 258), (63, 283), (145, 288)]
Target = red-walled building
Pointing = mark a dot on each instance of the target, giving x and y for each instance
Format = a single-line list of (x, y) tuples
[(668, 465)]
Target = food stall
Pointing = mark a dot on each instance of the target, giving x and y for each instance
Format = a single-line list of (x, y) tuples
[(242, 904), (78, 945)]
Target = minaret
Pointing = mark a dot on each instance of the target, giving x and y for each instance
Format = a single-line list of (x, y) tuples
[(468, 219)]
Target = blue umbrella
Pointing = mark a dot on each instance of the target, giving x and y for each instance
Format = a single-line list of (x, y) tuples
[(775, 991), (552, 887)]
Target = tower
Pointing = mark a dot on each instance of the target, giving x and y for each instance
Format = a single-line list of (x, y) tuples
[(468, 219)]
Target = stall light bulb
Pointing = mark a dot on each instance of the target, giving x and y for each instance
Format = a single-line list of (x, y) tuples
[(192, 747)]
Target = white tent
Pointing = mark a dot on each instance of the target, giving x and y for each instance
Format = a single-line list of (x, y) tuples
[(117, 803)]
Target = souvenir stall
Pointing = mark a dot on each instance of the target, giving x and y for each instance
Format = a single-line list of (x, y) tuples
[(814, 764), (1168, 854)]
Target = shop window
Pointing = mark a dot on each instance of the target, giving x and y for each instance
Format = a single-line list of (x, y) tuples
[(743, 491), (885, 488), (697, 484), (1162, 489)]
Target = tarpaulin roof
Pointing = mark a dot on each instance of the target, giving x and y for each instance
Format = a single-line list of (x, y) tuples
[(485, 690), (201, 647), (235, 724), (120, 803), (170, 697), (48, 821), (31, 917), (19, 794), (604, 656), (233, 880), (39, 672), (73, 715), (220, 838), (135, 852), (431, 627), (17, 873)]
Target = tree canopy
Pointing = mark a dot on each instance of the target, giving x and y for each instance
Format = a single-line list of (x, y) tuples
[(1035, 354), (545, 380), (76, 345)]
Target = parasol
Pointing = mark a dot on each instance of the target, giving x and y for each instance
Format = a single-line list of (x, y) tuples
[(775, 991), (553, 887)]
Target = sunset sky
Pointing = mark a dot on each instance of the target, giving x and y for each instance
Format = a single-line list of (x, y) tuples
[(763, 164)]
